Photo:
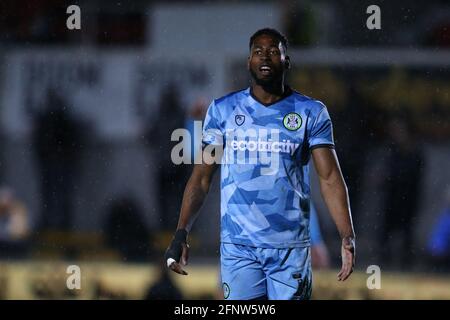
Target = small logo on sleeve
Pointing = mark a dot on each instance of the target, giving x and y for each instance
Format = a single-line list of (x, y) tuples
[(292, 121)]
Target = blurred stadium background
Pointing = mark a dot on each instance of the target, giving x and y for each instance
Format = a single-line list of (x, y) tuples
[(85, 139)]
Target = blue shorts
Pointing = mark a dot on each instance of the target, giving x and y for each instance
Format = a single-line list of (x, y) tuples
[(274, 274)]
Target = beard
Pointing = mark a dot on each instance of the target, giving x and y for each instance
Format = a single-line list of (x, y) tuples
[(265, 82)]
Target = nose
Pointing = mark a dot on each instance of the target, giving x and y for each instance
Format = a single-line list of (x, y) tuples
[(265, 56)]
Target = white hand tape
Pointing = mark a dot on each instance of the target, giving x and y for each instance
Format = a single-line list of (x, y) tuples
[(170, 261)]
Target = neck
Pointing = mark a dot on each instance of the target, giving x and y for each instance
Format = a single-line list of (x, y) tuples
[(268, 94)]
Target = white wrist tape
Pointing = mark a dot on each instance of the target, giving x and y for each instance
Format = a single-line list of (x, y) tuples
[(170, 261)]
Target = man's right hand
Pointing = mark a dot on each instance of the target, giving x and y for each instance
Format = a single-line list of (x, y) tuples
[(178, 252)]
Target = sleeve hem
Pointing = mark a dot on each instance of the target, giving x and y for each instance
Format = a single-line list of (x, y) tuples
[(322, 145)]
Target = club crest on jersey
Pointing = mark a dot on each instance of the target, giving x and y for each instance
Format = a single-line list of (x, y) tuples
[(240, 119), (292, 121)]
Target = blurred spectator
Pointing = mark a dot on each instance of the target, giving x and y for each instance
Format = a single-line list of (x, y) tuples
[(38, 21), (170, 178), (57, 142), (14, 228), (405, 163), (164, 287), (196, 113), (439, 242), (126, 230)]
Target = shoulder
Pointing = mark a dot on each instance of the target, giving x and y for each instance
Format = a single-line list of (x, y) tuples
[(313, 106), (223, 106), (231, 98)]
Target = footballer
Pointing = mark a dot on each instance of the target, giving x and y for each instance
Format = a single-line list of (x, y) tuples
[(268, 133)]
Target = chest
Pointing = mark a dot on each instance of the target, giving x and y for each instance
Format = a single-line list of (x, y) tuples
[(285, 124)]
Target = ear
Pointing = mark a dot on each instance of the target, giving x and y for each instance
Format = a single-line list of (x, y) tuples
[(287, 63), (248, 63)]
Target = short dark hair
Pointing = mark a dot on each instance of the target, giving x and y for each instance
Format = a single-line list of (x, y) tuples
[(270, 32)]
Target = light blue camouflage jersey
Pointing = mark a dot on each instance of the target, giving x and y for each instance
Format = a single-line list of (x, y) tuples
[(265, 188)]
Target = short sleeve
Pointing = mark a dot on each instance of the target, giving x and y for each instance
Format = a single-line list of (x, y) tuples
[(212, 133), (321, 134)]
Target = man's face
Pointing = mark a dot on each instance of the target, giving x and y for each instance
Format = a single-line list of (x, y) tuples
[(266, 62)]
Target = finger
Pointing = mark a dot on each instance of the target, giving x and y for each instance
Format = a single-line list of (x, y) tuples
[(343, 269), (185, 255), (347, 270), (176, 267), (346, 275), (341, 273)]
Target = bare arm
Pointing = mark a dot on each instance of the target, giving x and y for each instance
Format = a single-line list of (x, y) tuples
[(194, 195), (334, 192)]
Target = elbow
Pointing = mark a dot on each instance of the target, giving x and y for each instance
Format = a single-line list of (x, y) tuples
[(205, 184), (334, 182), (201, 183)]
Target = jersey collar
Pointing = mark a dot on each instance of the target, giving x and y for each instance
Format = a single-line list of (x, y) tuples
[(287, 93)]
